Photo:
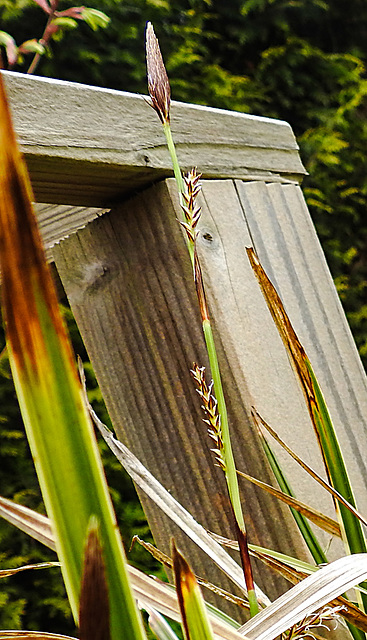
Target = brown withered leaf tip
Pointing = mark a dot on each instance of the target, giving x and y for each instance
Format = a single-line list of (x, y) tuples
[(158, 83), (185, 582), (22, 259), (94, 611)]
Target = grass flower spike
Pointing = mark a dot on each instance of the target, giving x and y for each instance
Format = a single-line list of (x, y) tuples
[(160, 94), (158, 83), (189, 189), (210, 408)]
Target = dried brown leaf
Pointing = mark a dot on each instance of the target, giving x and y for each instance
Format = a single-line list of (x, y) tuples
[(6, 573), (167, 562), (335, 494), (94, 610), (324, 522)]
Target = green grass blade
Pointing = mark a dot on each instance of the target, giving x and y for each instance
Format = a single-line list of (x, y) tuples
[(50, 395), (194, 617), (336, 468), (312, 473), (302, 522), (351, 527)]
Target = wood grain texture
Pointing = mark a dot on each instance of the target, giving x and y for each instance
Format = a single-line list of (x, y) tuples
[(89, 146), (252, 348), (284, 236), (57, 222), (128, 278)]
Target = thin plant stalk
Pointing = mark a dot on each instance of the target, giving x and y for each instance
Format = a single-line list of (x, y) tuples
[(172, 150), (47, 33), (188, 188)]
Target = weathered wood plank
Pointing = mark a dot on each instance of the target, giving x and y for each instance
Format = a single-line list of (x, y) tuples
[(283, 233), (57, 222), (128, 278), (275, 220), (89, 146)]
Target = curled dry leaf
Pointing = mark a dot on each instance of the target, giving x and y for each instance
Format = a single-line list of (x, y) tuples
[(6, 573), (167, 562)]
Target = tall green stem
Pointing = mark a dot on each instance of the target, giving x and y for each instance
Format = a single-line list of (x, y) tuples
[(227, 453), (173, 154), (188, 188), (178, 177)]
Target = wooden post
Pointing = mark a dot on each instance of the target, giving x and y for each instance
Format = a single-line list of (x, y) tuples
[(128, 279)]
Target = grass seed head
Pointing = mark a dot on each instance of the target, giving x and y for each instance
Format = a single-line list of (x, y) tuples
[(210, 408), (190, 208), (307, 628), (158, 83)]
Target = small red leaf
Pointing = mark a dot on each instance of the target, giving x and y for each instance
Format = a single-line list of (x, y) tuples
[(73, 12), (44, 5)]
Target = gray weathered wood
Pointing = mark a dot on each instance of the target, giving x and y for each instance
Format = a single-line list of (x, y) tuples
[(275, 220), (281, 228), (89, 146), (57, 222), (128, 279)]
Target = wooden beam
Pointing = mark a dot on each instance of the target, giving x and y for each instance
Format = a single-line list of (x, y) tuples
[(283, 233), (89, 146), (128, 279), (57, 222), (275, 220)]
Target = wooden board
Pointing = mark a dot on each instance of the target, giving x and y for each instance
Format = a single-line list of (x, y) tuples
[(88, 146), (283, 233), (57, 222), (128, 279), (274, 219)]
